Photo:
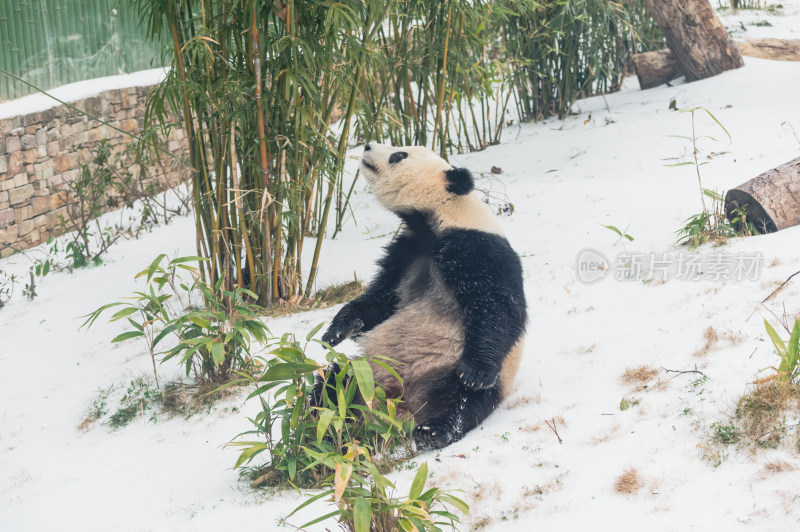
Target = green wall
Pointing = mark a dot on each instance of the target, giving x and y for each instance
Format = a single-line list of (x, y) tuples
[(54, 42)]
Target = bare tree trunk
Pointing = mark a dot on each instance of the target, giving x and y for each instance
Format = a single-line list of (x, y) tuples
[(772, 199), (698, 40)]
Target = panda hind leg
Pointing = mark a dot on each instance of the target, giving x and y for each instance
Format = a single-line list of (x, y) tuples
[(464, 409)]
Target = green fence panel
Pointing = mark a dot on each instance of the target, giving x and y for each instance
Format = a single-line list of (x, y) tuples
[(55, 42)]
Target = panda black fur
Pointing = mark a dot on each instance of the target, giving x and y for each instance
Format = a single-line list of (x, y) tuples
[(447, 302)]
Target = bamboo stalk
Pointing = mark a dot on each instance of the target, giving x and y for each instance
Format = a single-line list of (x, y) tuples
[(262, 155)]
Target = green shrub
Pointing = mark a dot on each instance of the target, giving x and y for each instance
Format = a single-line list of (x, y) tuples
[(211, 342), (311, 436), (365, 501), (85, 198), (342, 438)]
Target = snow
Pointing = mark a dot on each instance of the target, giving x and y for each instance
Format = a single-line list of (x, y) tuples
[(605, 165), (778, 20), (80, 90)]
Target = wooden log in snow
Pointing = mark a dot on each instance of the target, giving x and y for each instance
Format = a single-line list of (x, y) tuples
[(772, 199), (768, 48), (655, 68), (659, 67), (697, 38)]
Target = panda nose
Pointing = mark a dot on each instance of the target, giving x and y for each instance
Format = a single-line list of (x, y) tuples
[(368, 146)]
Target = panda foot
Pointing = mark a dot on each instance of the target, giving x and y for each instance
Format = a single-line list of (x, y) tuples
[(433, 436), (476, 377)]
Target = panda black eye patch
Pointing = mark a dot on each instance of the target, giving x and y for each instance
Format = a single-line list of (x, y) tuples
[(397, 156)]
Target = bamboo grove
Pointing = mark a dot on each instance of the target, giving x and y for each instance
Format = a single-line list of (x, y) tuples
[(272, 93)]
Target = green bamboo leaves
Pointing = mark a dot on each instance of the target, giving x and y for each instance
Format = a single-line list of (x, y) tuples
[(788, 369), (210, 343), (272, 94)]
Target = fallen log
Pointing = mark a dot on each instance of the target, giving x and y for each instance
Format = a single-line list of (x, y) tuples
[(659, 67), (655, 68), (769, 48), (696, 37), (771, 199)]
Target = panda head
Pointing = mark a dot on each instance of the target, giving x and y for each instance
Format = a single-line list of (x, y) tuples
[(413, 178)]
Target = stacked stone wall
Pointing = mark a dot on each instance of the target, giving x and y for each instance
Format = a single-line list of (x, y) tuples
[(41, 154)]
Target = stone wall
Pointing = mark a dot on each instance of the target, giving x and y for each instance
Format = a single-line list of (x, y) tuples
[(40, 155)]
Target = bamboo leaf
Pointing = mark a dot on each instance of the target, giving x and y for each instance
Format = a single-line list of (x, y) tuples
[(419, 482), (324, 422), (365, 379), (314, 331), (362, 514), (127, 336), (341, 477), (218, 353), (780, 347)]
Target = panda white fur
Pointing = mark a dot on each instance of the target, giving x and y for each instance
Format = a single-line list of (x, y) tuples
[(447, 302)]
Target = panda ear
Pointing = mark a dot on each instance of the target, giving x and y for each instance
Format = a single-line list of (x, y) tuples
[(459, 181)]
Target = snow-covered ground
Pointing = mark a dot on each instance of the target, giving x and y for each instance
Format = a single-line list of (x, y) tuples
[(603, 166), (778, 19)]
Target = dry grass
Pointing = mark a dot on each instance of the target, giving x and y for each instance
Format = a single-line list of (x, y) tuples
[(491, 491), (639, 375), (628, 481), (481, 522), (323, 298), (586, 349), (760, 414), (522, 400), (779, 467), (540, 490), (607, 435), (711, 338)]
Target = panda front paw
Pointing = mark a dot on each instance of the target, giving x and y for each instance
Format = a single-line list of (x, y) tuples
[(431, 436), (344, 325), (475, 376)]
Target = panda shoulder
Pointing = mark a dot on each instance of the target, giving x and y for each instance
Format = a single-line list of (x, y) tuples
[(472, 252)]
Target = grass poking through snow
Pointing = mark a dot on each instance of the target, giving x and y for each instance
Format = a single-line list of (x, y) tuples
[(628, 481), (639, 375)]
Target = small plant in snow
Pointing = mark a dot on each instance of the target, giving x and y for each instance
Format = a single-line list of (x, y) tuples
[(788, 370), (621, 234), (85, 199), (210, 328), (7, 283), (710, 225)]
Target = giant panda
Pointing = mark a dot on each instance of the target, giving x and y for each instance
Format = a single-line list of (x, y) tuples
[(447, 302)]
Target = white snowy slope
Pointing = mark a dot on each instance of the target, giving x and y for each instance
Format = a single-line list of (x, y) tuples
[(603, 166)]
